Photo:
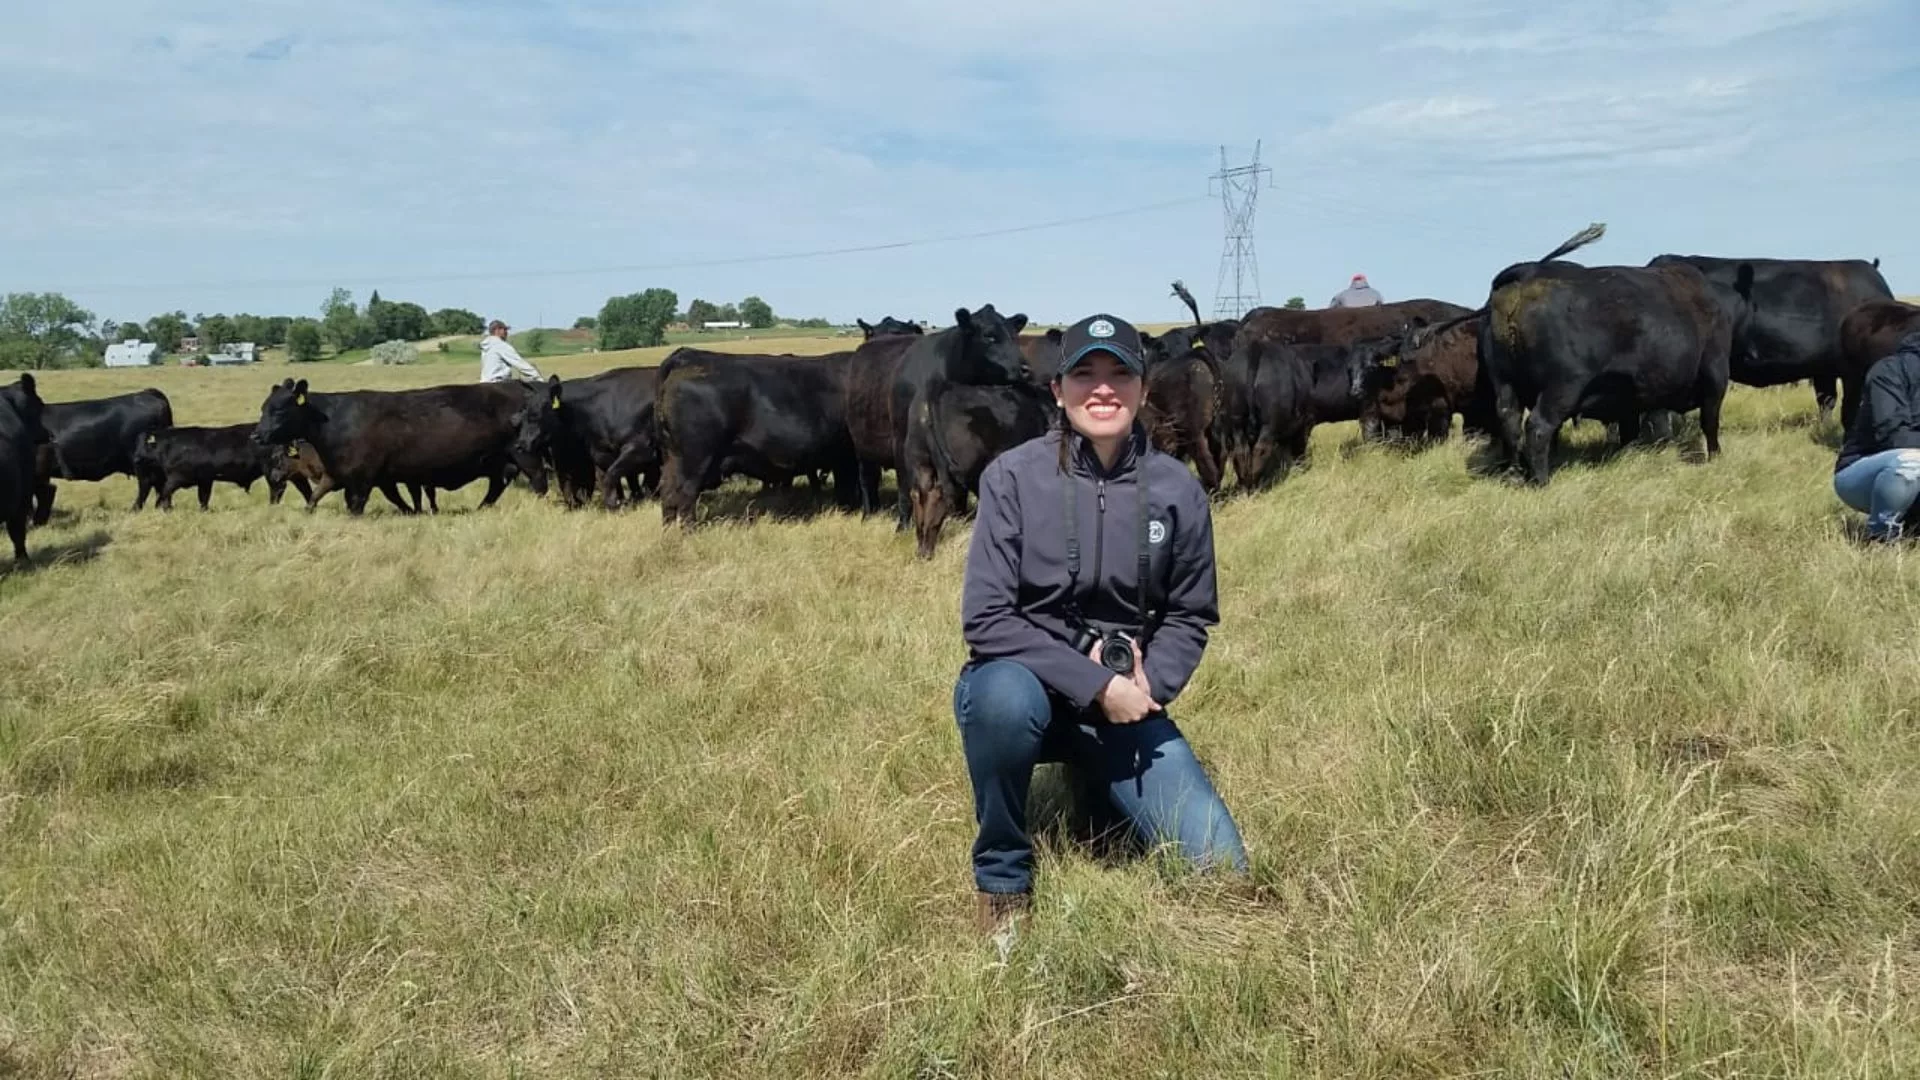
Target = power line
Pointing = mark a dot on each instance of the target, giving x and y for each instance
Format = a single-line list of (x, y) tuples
[(427, 278)]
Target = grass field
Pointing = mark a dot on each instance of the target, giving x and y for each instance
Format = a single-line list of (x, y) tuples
[(1615, 779)]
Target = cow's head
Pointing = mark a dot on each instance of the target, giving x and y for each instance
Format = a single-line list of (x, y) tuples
[(24, 398), (287, 415), (146, 450), (990, 345), (534, 427), (1375, 363)]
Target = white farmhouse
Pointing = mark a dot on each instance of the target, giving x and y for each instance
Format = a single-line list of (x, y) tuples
[(133, 354)]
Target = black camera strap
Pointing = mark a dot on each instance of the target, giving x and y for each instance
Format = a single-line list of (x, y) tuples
[(1071, 483)]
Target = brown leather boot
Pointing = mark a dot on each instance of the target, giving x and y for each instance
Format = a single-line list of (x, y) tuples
[(995, 910)]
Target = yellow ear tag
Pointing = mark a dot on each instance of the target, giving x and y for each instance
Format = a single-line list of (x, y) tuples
[(556, 404), (1199, 343), (293, 451), (301, 400), (151, 439), (1391, 361)]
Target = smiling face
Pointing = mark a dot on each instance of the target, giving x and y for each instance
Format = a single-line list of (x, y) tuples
[(1100, 396)]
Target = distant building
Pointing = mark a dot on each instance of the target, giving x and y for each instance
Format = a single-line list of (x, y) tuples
[(133, 354), (189, 345), (238, 352), (729, 324)]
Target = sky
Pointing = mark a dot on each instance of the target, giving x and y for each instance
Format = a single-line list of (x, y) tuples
[(527, 159)]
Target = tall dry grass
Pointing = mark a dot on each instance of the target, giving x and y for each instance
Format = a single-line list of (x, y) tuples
[(1618, 778)]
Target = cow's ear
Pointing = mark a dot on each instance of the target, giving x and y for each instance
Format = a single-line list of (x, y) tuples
[(553, 392), (27, 386), (300, 392), (865, 326), (1017, 322), (1743, 282), (1054, 334), (963, 318)]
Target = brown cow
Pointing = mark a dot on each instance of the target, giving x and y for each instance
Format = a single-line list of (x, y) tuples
[(1413, 391), (1868, 335)]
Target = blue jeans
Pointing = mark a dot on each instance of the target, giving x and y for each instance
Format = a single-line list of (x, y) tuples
[(1009, 723), (1884, 485)]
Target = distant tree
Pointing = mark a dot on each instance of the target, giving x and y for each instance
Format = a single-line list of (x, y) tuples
[(534, 342), (275, 332), (340, 321), (126, 331), (814, 324), (450, 321), (700, 312), (395, 352), (727, 313), (250, 328), (585, 322), (756, 312), (215, 331), (304, 340), (167, 330), (1296, 303), (637, 319), (42, 330)]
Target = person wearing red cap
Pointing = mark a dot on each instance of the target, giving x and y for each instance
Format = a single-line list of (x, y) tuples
[(1357, 294)]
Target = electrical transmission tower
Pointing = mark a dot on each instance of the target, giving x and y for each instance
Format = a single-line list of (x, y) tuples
[(1239, 288)]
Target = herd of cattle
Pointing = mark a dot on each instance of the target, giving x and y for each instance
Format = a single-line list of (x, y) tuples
[(1556, 340)]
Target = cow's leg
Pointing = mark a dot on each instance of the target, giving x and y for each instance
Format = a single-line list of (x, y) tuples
[(902, 517), (320, 491), (612, 482), (163, 499), (1851, 388), (433, 497), (206, 494), (930, 515), (1206, 464), (1550, 410), (680, 490), (496, 484), (1825, 391), (1506, 404), (145, 487), (356, 496), (869, 478), (1629, 429), (43, 503), (389, 489), (275, 490), (17, 532), (1713, 391)]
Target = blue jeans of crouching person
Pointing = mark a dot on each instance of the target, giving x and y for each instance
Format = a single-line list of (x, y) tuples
[(1009, 723), (1884, 485)]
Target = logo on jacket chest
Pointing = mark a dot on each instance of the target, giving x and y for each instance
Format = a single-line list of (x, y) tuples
[(1156, 532)]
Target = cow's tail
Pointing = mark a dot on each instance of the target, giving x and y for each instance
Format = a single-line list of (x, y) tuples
[(943, 466), (1180, 290), (1510, 276)]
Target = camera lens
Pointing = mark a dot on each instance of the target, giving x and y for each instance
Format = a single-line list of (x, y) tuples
[(1116, 655)]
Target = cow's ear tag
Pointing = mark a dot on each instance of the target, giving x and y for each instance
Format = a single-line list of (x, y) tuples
[(1199, 343), (556, 403), (300, 400), (151, 439), (1391, 361), (293, 451)]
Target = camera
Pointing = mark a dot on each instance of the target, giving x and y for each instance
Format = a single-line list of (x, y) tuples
[(1116, 649)]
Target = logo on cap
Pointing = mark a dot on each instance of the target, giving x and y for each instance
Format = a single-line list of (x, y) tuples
[(1100, 328)]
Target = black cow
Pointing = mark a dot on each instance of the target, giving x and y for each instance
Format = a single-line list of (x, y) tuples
[(888, 327), (1041, 352), (22, 434), (606, 437), (1798, 305), (1266, 413), (177, 457), (885, 375), (1333, 398), (442, 436), (1608, 343), (93, 440), (1183, 395), (954, 431), (768, 417)]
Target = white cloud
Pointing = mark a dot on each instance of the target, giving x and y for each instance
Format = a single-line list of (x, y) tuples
[(366, 141)]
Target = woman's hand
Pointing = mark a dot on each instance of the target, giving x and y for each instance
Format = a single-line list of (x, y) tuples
[(1126, 700)]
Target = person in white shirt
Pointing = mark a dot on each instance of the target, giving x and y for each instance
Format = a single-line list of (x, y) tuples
[(499, 360), (1357, 294)]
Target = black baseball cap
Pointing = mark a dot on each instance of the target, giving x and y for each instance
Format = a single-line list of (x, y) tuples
[(1109, 332)]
